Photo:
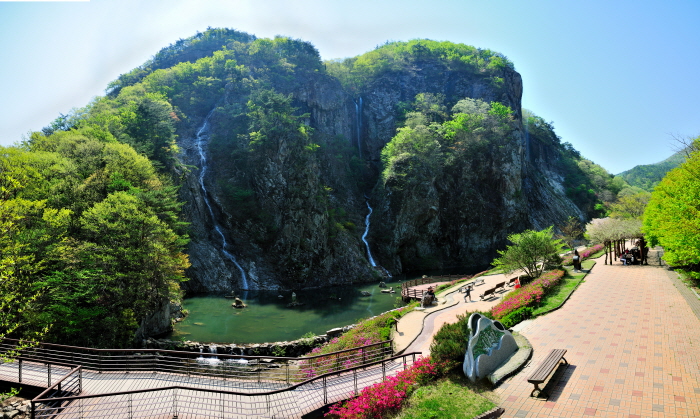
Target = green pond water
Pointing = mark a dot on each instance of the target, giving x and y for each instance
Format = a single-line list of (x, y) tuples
[(268, 319)]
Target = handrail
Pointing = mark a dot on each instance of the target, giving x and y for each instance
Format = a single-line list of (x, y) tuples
[(60, 381), (237, 393), (188, 353)]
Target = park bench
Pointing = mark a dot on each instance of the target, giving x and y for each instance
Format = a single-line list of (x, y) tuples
[(487, 293), (501, 285), (511, 282), (545, 369), (479, 281)]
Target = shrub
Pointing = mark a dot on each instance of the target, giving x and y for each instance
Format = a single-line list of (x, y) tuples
[(516, 316), (527, 296), (381, 399), (367, 332), (450, 342)]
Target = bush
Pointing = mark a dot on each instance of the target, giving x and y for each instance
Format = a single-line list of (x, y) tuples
[(367, 332), (516, 316), (380, 399), (450, 342), (527, 296)]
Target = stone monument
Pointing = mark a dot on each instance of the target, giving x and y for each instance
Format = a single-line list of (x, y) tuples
[(490, 345)]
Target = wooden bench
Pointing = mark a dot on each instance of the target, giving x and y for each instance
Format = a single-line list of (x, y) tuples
[(501, 285), (511, 282), (487, 293), (545, 369)]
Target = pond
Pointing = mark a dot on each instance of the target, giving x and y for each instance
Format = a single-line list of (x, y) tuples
[(268, 319)]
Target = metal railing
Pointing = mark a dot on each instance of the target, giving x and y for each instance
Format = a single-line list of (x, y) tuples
[(224, 366), (182, 401), (51, 400)]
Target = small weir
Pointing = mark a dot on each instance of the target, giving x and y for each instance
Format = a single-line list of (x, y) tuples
[(202, 138)]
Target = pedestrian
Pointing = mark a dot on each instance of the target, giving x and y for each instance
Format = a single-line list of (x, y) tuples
[(577, 261), (468, 294)]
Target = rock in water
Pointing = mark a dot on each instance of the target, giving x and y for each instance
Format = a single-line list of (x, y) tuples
[(238, 303)]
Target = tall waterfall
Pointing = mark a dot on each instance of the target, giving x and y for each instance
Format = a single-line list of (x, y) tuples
[(358, 122), (364, 239), (364, 236), (202, 138)]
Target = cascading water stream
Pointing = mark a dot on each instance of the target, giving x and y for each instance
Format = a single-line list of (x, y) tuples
[(364, 236), (202, 136), (358, 122)]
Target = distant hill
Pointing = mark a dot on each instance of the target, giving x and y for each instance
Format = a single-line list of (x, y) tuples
[(647, 176)]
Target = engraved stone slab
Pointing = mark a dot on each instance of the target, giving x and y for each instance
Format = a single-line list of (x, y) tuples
[(490, 345)]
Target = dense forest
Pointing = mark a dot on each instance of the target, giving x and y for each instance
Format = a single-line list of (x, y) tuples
[(104, 214), (647, 176)]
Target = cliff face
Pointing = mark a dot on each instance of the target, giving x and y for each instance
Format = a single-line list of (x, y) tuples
[(293, 215)]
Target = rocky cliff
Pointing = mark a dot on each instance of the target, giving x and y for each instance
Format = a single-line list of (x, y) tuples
[(288, 192)]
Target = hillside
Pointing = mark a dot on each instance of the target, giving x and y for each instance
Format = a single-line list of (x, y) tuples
[(232, 162), (647, 176)]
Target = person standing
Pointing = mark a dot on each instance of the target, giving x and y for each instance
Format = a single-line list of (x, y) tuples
[(468, 293), (577, 261)]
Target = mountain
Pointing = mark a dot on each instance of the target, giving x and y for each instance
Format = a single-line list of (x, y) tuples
[(295, 149), (279, 157), (647, 176)]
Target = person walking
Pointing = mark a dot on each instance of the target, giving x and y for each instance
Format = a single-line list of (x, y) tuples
[(468, 293), (577, 261)]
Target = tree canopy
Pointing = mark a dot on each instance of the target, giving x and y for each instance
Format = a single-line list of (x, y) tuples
[(532, 252), (672, 217)]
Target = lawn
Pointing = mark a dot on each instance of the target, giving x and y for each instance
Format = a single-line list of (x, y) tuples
[(562, 291), (450, 397)]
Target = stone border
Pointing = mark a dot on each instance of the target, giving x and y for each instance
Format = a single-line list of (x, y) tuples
[(494, 413), (515, 363)]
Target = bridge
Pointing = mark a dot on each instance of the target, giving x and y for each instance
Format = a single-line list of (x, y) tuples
[(150, 383)]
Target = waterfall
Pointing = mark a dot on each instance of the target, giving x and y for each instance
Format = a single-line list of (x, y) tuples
[(211, 360), (364, 236), (358, 122), (202, 138), (364, 239)]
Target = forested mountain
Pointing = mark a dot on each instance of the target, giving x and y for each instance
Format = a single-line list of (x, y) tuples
[(647, 176), (255, 162)]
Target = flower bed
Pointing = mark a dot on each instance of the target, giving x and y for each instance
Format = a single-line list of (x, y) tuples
[(380, 399), (585, 254), (367, 332), (528, 296)]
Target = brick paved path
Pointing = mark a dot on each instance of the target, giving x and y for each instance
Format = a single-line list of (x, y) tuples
[(633, 344)]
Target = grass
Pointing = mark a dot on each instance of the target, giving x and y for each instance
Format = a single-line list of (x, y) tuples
[(562, 291), (451, 397)]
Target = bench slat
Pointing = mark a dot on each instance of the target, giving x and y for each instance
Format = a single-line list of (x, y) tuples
[(548, 365)]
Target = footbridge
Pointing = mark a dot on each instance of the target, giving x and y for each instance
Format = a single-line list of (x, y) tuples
[(150, 383)]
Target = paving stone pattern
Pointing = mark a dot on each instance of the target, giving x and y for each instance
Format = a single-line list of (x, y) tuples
[(633, 346)]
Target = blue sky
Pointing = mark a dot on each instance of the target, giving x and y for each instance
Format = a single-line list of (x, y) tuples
[(618, 79)]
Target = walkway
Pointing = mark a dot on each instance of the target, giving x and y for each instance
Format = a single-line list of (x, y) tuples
[(415, 330), (633, 347)]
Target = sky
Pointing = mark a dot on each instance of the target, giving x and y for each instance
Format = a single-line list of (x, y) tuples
[(618, 79)]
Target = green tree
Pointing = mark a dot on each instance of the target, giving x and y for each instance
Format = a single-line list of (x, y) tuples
[(532, 251), (672, 217), (570, 231), (630, 206)]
